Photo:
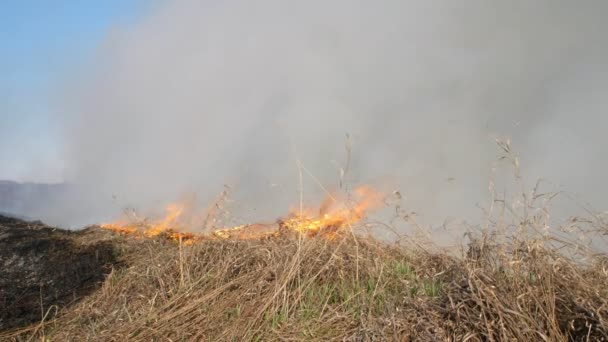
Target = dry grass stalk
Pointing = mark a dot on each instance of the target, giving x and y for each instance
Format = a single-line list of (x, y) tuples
[(520, 278), (288, 288)]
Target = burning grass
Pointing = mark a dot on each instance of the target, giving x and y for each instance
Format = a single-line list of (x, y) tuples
[(334, 215), (287, 287), (314, 276)]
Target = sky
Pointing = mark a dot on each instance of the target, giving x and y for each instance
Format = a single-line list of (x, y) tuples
[(40, 43)]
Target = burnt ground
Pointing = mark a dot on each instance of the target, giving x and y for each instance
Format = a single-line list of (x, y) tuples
[(42, 267)]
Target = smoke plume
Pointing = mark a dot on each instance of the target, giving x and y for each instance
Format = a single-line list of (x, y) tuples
[(199, 94)]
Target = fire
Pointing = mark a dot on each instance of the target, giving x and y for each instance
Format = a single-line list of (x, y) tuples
[(120, 228), (174, 211), (168, 226), (334, 216), (247, 231)]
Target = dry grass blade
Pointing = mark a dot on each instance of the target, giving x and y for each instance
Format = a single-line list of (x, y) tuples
[(288, 288)]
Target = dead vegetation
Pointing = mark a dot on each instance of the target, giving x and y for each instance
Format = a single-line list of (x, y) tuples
[(519, 277), (291, 288), (42, 268)]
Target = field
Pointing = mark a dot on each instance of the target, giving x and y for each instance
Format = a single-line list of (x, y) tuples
[(516, 277), (351, 287)]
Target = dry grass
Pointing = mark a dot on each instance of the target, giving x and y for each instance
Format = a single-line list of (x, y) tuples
[(288, 288), (519, 278)]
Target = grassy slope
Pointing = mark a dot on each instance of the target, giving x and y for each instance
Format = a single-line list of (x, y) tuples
[(287, 288)]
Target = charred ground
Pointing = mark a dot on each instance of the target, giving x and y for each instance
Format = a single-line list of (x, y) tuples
[(42, 268)]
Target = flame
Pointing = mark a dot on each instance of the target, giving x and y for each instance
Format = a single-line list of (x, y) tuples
[(167, 226), (335, 214), (174, 211), (122, 228), (247, 231)]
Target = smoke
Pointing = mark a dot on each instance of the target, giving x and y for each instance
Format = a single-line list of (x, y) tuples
[(199, 94)]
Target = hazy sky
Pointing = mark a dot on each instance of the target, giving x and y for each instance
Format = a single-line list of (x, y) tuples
[(41, 43)]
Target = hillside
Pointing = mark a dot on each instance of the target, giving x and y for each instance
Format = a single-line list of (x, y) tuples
[(43, 267), (288, 287)]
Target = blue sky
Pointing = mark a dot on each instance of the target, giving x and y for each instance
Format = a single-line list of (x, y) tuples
[(40, 43)]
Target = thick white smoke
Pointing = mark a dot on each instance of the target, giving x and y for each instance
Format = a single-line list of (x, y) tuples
[(204, 93)]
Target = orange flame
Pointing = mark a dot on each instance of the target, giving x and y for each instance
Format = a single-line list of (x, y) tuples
[(167, 226), (335, 214)]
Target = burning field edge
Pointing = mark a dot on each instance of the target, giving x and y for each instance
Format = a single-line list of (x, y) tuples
[(288, 286)]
